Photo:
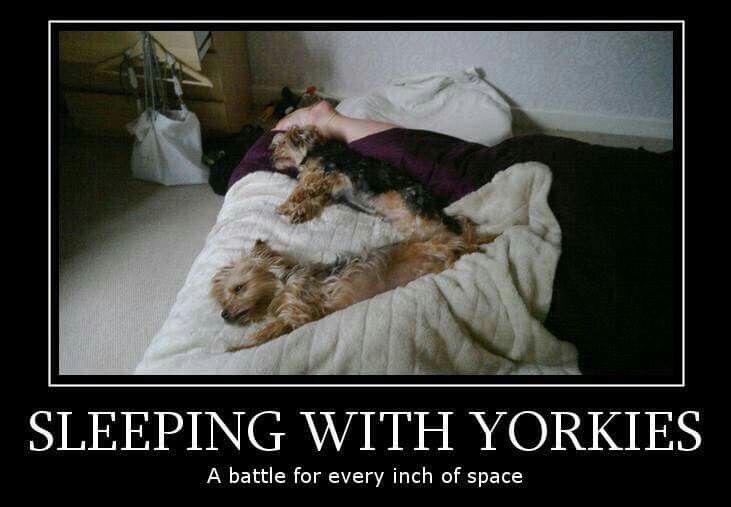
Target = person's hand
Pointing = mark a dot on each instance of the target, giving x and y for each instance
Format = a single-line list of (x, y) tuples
[(298, 118), (319, 115)]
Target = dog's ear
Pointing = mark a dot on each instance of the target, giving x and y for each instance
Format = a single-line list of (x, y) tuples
[(271, 257), (219, 280), (260, 247), (277, 140), (282, 154), (305, 137), (262, 250), (222, 273)]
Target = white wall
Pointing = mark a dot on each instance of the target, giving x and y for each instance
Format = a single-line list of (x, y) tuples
[(617, 82)]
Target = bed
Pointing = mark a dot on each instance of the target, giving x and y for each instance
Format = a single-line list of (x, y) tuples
[(481, 317), (497, 311)]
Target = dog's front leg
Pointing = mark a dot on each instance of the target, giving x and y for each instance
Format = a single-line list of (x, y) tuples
[(299, 195), (311, 195)]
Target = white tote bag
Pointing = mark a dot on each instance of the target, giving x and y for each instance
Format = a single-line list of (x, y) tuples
[(167, 148)]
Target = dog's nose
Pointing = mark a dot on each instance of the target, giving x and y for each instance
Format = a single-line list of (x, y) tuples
[(225, 314)]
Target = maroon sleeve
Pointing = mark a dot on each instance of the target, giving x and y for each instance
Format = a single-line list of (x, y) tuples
[(445, 165)]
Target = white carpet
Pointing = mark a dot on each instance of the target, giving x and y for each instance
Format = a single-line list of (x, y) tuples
[(126, 247)]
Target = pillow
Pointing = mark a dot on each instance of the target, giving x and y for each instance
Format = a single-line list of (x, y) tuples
[(462, 105)]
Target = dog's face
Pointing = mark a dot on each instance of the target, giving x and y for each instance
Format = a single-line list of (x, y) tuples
[(290, 148), (245, 288)]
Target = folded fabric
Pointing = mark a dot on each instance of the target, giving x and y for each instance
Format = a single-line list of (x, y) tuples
[(461, 104)]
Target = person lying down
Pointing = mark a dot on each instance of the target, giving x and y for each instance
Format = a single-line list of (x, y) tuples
[(614, 285)]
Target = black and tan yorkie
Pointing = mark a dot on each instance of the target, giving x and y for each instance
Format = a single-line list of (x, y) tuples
[(266, 286), (331, 172)]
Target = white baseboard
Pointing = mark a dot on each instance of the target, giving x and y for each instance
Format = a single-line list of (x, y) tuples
[(587, 122), (545, 120)]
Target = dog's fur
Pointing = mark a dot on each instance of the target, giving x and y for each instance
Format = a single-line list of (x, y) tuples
[(267, 286), (329, 172)]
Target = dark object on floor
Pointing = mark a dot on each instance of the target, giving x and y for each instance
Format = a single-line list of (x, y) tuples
[(222, 155)]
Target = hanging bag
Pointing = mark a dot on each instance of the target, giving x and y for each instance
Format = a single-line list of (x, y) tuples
[(167, 147)]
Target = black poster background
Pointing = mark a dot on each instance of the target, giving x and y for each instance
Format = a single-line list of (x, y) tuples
[(178, 471)]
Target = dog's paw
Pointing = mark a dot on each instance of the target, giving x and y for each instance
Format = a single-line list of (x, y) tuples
[(299, 215), (297, 212), (283, 209)]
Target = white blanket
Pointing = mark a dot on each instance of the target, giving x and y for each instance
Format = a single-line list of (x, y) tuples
[(483, 316)]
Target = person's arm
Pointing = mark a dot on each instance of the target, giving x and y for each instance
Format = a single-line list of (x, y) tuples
[(332, 124)]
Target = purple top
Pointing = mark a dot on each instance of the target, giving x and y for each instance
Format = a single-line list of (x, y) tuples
[(437, 161)]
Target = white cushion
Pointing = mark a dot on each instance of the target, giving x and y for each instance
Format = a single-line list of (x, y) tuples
[(462, 105)]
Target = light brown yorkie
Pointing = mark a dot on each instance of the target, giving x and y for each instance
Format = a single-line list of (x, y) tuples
[(265, 286)]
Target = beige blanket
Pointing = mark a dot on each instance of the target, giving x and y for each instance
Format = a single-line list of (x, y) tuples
[(484, 316)]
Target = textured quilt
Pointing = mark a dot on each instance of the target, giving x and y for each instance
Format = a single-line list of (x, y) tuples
[(483, 316)]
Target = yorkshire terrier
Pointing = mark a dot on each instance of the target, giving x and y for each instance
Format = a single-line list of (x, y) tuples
[(268, 287), (331, 172)]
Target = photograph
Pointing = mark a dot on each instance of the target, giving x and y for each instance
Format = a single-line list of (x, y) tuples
[(430, 204)]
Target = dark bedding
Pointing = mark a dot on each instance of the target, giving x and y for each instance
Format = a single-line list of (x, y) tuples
[(613, 292)]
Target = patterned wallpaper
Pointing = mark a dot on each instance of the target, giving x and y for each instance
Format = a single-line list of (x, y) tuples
[(624, 74)]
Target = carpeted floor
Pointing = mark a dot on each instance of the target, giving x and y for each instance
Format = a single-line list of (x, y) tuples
[(126, 247)]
